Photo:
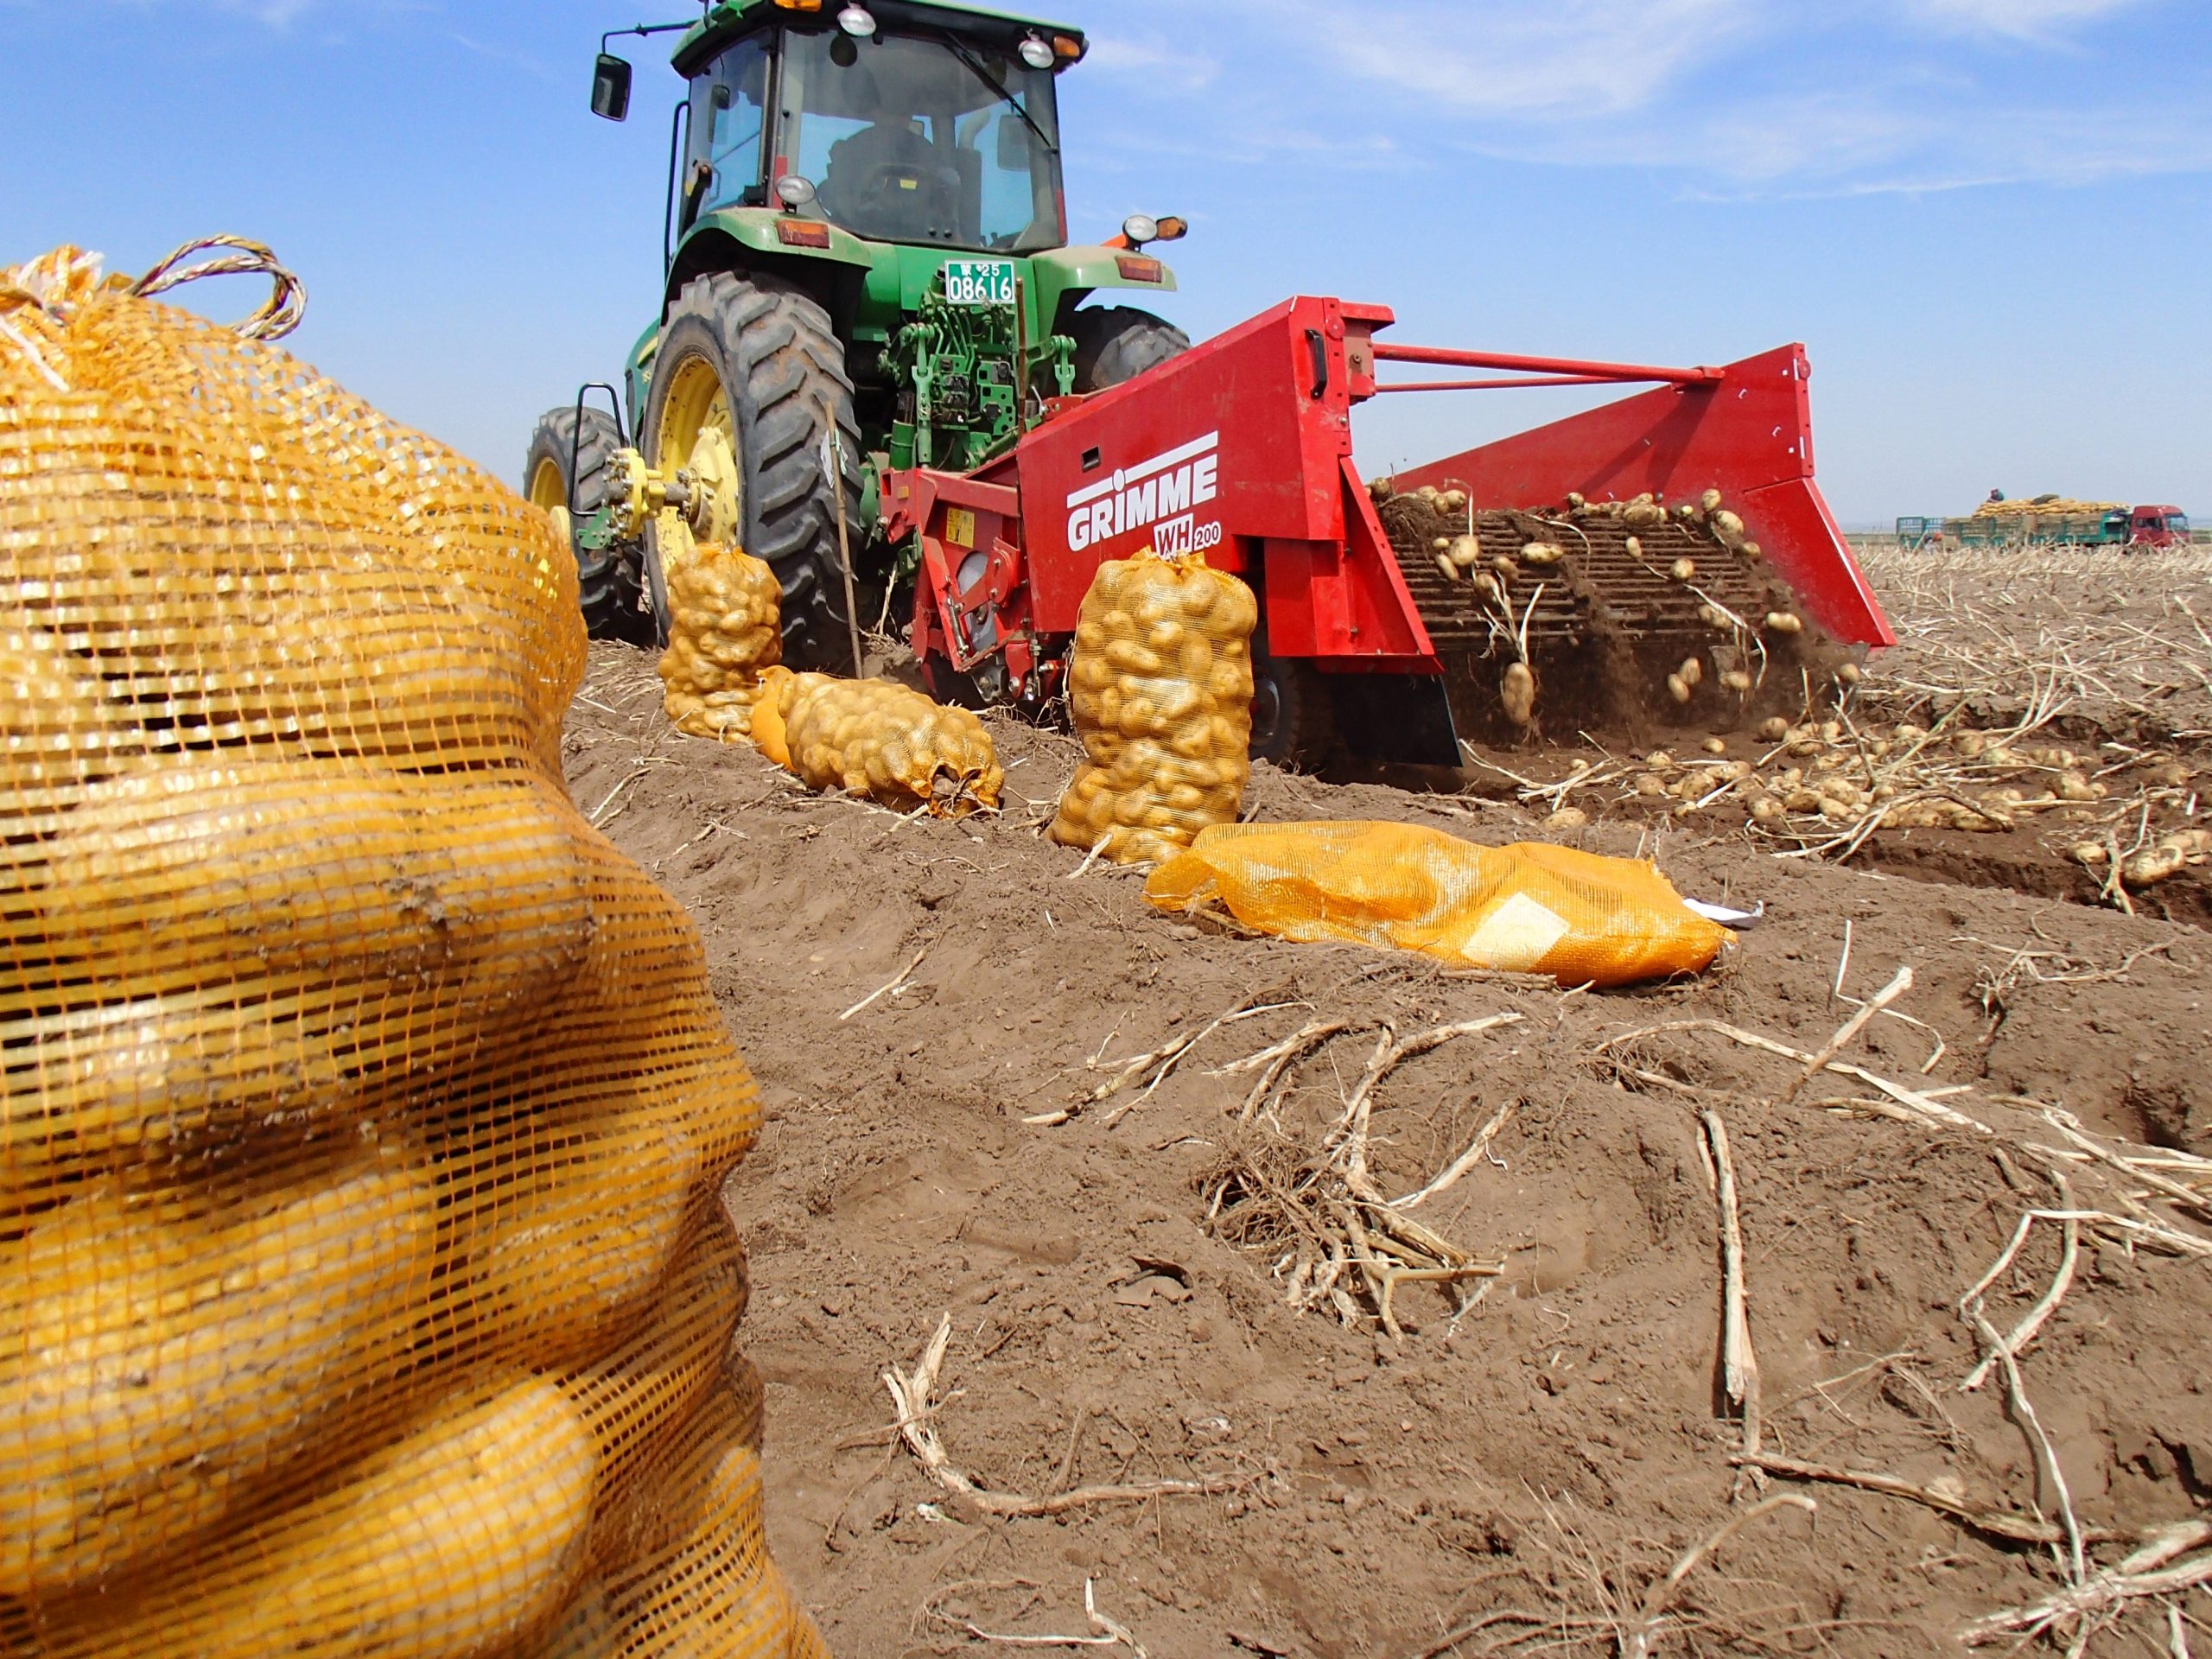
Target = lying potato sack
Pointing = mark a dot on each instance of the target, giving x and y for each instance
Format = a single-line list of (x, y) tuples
[(879, 740), (364, 1289), (1526, 908), (724, 627), (1161, 692)]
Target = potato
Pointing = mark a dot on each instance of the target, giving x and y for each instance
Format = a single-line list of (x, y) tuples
[(1726, 527), (2171, 856), (603, 1183), (1709, 503), (465, 1536), (1467, 551), (466, 888), (1692, 671), (1784, 622), (1714, 746), (1517, 693), (157, 1360), (674, 1356), (1736, 680), (1683, 569), (1678, 687), (1451, 571), (1566, 817), (1541, 554)]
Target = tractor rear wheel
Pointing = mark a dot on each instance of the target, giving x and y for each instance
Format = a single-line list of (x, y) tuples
[(746, 379), (607, 581), (1118, 343)]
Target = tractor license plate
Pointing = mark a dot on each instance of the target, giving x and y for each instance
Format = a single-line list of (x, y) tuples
[(979, 281)]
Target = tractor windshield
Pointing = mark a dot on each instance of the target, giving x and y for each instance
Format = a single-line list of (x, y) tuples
[(907, 138)]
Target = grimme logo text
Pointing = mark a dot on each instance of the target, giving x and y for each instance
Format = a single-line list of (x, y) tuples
[(1138, 496)]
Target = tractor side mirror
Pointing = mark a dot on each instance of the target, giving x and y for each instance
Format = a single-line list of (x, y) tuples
[(610, 87), (1013, 143)]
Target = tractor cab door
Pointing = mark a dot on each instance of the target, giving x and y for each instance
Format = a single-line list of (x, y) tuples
[(725, 159)]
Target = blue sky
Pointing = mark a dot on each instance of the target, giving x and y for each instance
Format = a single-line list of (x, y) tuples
[(1990, 220)]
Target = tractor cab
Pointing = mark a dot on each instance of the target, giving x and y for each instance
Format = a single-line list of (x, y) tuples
[(914, 137), (2158, 526)]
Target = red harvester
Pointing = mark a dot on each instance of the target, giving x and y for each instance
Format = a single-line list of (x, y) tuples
[(1241, 449)]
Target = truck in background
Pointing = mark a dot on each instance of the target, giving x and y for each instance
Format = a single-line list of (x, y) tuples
[(2052, 521)]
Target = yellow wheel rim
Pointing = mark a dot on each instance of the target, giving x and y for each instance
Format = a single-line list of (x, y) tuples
[(547, 489), (698, 407)]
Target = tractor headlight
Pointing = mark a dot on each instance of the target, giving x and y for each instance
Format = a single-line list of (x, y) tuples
[(856, 20), (1037, 52), (1140, 228), (793, 191)]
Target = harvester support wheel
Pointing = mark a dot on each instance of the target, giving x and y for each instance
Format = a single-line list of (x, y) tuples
[(749, 368), (1118, 343), (607, 581), (1293, 716)]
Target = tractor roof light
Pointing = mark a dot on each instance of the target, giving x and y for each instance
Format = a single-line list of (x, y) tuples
[(1140, 228), (1067, 47), (799, 5), (794, 192), (857, 22), (1037, 52)]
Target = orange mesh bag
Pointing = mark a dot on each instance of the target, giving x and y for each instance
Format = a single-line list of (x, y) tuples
[(363, 1289), (876, 739), (724, 627), (1161, 692), (1526, 908), (780, 690)]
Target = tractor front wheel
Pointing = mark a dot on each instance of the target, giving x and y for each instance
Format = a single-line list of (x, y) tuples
[(1118, 343), (567, 465), (747, 379)]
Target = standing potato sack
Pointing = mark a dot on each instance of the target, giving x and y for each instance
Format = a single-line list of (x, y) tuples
[(364, 1289), (725, 629), (1161, 692)]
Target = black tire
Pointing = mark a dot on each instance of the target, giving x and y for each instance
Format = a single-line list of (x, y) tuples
[(1293, 716), (1118, 343), (779, 359), (606, 583)]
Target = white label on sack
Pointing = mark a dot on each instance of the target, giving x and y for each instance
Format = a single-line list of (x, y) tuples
[(1133, 497), (1515, 936)]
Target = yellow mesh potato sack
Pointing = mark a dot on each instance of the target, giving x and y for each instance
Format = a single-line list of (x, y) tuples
[(724, 627), (364, 1289), (1161, 692), (877, 740), (1526, 908)]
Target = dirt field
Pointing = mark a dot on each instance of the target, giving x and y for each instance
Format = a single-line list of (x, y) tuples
[(1523, 1469)]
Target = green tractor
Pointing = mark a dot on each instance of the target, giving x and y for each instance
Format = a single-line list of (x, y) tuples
[(867, 267)]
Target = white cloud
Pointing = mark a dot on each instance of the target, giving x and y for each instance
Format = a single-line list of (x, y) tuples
[(1555, 59), (1740, 99), (1159, 62), (2026, 20)]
